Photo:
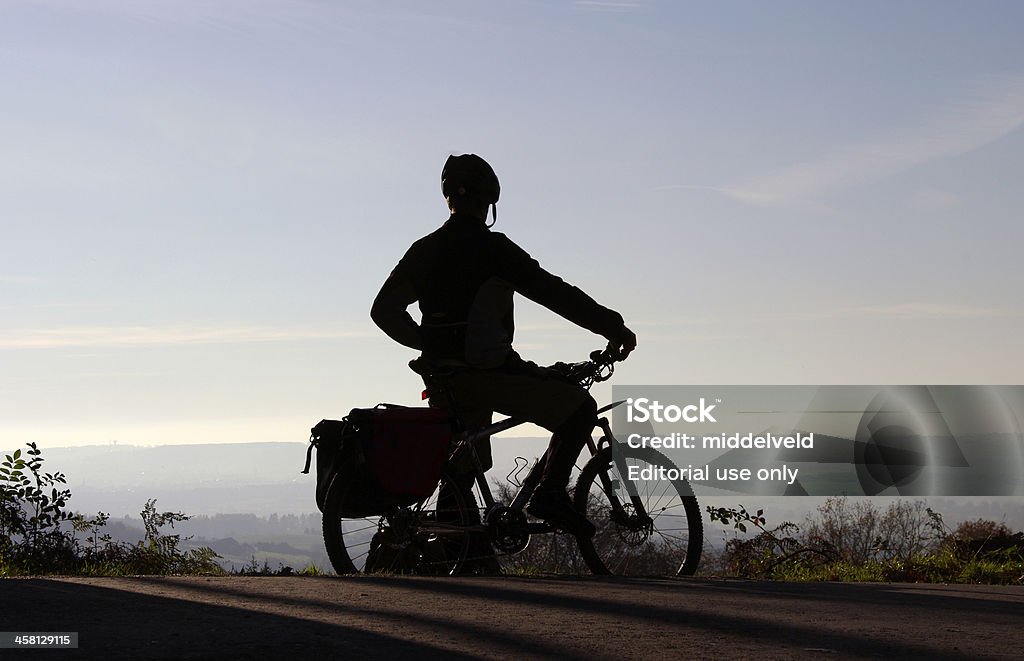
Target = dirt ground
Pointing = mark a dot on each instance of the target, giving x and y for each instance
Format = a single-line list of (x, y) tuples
[(509, 617)]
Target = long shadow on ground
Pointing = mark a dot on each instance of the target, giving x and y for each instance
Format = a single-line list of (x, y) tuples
[(120, 624), (392, 616)]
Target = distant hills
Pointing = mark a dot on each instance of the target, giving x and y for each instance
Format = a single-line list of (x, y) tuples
[(249, 501), (213, 464), (264, 479), (259, 478), (213, 478)]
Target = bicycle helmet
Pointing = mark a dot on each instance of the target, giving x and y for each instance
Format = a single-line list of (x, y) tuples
[(468, 175)]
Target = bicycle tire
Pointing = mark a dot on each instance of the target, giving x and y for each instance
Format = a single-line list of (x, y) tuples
[(674, 543), (418, 549)]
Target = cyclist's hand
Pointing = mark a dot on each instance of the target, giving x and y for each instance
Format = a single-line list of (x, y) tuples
[(624, 344)]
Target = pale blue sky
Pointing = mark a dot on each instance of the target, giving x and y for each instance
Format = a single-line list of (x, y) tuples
[(201, 198)]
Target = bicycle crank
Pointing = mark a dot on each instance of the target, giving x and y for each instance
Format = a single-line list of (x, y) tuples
[(507, 529)]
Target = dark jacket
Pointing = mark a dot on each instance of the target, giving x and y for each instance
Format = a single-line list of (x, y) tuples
[(463, 276)]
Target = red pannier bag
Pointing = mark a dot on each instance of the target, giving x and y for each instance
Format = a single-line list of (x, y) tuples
[(406, 448)]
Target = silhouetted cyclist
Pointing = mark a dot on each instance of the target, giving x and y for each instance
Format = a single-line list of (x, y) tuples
[(463, 275)]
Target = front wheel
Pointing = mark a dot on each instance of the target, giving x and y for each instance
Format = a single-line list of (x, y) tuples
[(424, 538), (656, 531)]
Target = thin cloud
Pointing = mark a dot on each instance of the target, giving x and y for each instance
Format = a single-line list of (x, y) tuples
[(110, 336), (989, 116), (905, 310), (922, 310), (608, 5), (933, 199), (216, 16)]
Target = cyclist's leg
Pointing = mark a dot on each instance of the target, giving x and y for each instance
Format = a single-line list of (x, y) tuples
[(480, 558), (551, 502), (472, 420), (567, 442), (545, 398)]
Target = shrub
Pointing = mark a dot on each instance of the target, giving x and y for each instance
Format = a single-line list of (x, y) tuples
[(32, 514), (38, 535), (859, 541), (985, 539)]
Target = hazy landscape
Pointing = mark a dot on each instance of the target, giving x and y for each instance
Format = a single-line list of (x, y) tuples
[(250, 502)]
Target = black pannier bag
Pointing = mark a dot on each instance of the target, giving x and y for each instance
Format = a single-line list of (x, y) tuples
[(386, 456)]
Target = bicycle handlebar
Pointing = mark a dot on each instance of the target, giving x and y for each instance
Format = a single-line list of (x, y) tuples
[(600, 367)]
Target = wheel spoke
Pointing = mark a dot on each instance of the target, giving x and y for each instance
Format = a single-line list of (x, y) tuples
[(665, 538), (421, 538)]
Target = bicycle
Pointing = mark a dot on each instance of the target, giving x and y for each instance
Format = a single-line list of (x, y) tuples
[(648, 532)]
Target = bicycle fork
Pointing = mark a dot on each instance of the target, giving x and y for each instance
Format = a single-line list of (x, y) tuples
[(611, 487)]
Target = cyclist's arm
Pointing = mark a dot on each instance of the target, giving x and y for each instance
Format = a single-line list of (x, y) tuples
[(390, 309), (528, 278)]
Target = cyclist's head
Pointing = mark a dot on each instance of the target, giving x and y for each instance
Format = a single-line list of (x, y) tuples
[(469, 183)]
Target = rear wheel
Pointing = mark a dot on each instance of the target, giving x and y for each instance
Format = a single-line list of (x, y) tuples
[(665, 538), (420, 539)]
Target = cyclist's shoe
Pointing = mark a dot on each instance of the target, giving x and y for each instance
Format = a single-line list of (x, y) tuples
[(555, 508)]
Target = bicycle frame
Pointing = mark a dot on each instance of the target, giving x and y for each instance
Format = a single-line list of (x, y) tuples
[(600, 367), (626, 520), (467, 444)]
